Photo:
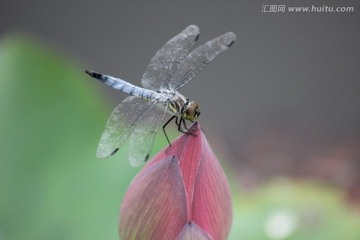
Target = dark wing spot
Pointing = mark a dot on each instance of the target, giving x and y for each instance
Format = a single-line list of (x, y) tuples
[(114, 151), (197, 37), (146, 157), (232, 42)]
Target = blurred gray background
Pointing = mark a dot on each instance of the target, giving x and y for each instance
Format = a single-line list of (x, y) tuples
[(284, 99)]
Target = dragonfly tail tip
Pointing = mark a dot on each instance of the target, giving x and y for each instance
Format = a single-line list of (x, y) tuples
[(89, 72), (94, 74)]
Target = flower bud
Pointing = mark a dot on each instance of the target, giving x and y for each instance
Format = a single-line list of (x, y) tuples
[(182, 193)]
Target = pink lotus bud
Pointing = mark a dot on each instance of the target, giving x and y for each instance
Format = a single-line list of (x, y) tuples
[(182, 193)]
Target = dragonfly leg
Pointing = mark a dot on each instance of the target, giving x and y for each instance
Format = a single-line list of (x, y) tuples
[(176, 121), (182, 121), (179, 125), (167, 138)]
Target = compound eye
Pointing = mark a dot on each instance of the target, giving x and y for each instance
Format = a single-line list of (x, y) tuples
[(190, 112)]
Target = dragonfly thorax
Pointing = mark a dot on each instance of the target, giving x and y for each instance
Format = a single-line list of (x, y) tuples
[(176, 103)]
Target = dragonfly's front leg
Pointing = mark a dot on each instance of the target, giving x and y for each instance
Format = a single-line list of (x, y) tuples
[(179, 124), (182, 121)]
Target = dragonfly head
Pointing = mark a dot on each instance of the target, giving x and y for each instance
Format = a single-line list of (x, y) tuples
[(190, 110)]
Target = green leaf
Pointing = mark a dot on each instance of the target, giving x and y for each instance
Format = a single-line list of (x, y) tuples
[(51, 184)]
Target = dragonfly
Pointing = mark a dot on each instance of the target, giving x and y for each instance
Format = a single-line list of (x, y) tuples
[(139, 116)]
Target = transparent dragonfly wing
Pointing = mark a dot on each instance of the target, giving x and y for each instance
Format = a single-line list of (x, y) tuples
[(164, 63), (142, 138), (199, 58), (120, 124)]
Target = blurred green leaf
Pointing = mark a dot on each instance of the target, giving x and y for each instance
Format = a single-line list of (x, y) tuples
[(51, 184), (294, 210)]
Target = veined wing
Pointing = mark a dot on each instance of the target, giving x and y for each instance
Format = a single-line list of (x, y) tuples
[(163, 64), (142, 138), (121, 123), (199, 58)]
